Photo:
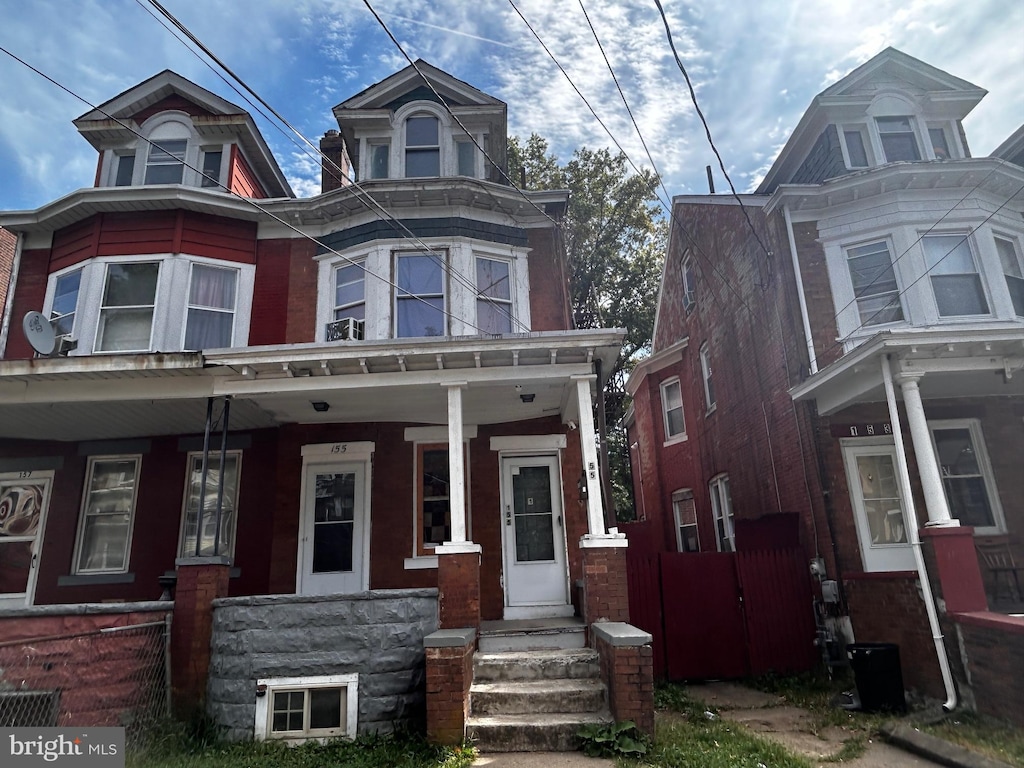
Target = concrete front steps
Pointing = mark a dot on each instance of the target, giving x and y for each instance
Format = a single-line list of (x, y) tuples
[(535, 701)]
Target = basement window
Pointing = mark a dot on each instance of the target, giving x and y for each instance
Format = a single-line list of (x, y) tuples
[(295, 709)]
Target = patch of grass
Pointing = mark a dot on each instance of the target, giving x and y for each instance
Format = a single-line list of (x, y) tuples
[(692, 735), (980, 734), (395, 751), (852, 748), (815, 692)]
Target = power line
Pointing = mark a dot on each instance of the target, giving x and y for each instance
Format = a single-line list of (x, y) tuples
[(249, 201), (373, 205)]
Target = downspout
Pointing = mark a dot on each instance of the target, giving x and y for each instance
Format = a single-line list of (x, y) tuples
[(915, 540), (801, 299), (5, 324)]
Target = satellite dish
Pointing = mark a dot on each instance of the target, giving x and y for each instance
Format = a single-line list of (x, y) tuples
[(39, 332)]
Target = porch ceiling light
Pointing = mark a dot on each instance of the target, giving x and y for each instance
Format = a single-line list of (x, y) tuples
[(320, 406)]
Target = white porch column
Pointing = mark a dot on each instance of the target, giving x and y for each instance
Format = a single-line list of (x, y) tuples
[(927, 464), (456, 463), (595, 509)]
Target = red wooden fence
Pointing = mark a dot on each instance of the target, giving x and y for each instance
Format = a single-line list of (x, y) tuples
[(724, 615)]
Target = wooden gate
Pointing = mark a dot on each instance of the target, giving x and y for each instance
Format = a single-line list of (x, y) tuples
[(724, 615)]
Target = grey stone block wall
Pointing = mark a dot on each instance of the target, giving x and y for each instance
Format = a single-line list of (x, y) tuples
[(377, 634)]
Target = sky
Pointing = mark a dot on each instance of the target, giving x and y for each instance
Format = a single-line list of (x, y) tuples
[(755, 64)]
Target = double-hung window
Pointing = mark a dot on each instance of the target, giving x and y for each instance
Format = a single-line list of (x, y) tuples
[(709, 384), (954, 275), (166, 163), (672, 409), (125, 170), (65, 302), (874, 284), (126, 312), (422, 146), (494, 296), (419, 295), (721, 508), (108, 508), (856, 147), (211, 308), (465, 155), (380, 159), (685, 513), (433, 498), (350, 291), (211, 168), (940, 146), (1009, 258), (215, 478), (898, 140), (966, 474)]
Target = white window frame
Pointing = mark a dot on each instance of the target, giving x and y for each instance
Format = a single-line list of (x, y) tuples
[(913, 123), (1018, 260), (679, 498), (509, 304), (359, 264), (233, 533), (854, 305), (170, 313), (689, 281), (968, 240), (220, 180), (707, 377), (441, 258), (718, 489), (973, 426), (875, 557), (227, 267), (371, 145), (101, 325), (52, 314), (477, 157), (83, 510), (267, 687), (671, 437), (865, 137)]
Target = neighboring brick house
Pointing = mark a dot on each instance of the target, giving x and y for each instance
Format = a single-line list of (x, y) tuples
[(349, 420), (879, 285)]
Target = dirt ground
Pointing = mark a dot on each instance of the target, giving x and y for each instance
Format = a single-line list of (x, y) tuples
[(768, 716)]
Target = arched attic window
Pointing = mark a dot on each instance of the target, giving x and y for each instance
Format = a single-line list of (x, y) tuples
[(422, 146), (165, 160)]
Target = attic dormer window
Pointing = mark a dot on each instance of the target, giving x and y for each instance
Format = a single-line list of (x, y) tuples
[(898, 140), (422, 147), (166, 162)]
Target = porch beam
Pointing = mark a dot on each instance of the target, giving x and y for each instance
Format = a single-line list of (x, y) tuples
[(105, 390), (456, 463), (595, 510)]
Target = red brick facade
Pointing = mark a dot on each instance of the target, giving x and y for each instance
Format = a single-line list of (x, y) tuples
[(199, 584), (458, 590), (605, 593), (629, 674), (993, 647), (449, 676)]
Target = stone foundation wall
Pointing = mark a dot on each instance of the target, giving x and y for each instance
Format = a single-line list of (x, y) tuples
[(377, 635)]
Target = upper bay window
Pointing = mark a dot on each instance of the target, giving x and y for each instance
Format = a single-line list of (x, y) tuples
[(1010, 261), (420, 295), (899, 142), (422, 146), (954, 275), (165, 303), (874, 284), (350, 291), (494, 296)]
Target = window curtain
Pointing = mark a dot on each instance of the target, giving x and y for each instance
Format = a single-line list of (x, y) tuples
[(211, 303)]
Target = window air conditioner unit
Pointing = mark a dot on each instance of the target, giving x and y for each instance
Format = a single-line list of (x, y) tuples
[(346, 329), (65, 344)]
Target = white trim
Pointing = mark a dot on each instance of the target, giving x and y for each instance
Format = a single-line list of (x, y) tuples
[(679, 497), (237, 454), (973, 426), (679, 436), (603, 540), (528, 443), (458, 548), (420, 563), (338, 451), (718, 488), (437, 434), (264, 712), (706, 376), (26, 598)]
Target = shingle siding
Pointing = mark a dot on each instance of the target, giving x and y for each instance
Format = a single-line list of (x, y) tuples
[(824, 161)]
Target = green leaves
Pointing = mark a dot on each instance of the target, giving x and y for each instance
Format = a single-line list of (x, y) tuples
[(613, 740)]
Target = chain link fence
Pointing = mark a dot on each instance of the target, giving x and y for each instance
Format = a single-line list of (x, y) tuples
[(116, 676)]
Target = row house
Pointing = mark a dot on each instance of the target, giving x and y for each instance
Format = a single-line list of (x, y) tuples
[(837, 367), (352, 436)]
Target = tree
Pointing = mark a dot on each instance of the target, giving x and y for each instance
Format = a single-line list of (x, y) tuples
[(615, 239)]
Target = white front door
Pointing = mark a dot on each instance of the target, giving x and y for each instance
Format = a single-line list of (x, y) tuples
[(24, 498), (332, 542), (533, 538)]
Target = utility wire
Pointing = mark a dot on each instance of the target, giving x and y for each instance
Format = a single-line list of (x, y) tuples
[(249, 201), (372, 205)]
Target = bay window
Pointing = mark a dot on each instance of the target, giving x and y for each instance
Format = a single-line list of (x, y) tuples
[(211, 307), (874, 283), (126, 312), (1009, 259), (420, 295), (350, 291), (108, 510), (954, 275), (65, 302)]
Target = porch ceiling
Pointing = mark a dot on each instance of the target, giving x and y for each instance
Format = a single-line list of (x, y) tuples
[(104, 397), (981, 363)]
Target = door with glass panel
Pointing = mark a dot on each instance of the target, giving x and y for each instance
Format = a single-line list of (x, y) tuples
[(878, 506), (24, 497), (533, 538), (332, 545)]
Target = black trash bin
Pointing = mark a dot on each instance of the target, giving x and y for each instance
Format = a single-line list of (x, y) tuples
[(876, 668)]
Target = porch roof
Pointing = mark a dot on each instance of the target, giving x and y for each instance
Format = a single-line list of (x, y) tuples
[(951, 364), (113, 396)]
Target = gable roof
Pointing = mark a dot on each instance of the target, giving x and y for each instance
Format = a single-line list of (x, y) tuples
[(130, 107), (387, 92), (889, 70)]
